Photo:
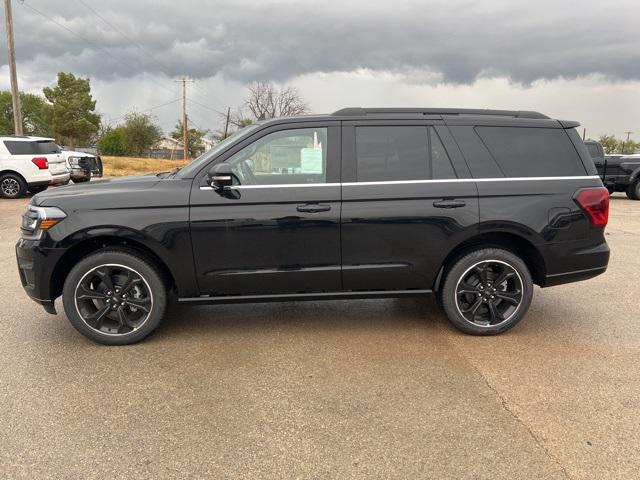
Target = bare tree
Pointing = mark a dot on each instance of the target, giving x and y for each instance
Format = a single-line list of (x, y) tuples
[(267, 101)]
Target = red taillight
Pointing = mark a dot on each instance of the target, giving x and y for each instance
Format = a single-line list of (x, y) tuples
[(41, 162), (595, 203)]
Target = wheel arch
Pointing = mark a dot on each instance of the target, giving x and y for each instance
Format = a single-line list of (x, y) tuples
[(99, 243), (511, 242), (14, 172)]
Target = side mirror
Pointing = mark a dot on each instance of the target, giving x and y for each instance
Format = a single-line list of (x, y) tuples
[(220, 176)]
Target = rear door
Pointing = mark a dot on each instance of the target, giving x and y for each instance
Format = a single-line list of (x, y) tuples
[(407, 197)]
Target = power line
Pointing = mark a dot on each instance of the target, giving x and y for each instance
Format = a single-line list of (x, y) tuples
[(147, 109), (84, 39), (137, 44), (206, 107)]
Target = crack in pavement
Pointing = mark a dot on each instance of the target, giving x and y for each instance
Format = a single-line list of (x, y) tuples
[(514, 415)]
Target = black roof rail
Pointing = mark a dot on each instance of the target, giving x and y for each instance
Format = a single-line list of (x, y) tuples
[(359, 112)]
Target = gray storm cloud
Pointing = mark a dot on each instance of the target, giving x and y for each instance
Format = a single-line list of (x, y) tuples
[(450, 41)]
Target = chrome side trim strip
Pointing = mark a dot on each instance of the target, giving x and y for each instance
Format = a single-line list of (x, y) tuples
[(460, 180), (416, 182)]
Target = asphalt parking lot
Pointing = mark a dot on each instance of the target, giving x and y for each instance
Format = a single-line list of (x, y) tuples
[(340, 389)]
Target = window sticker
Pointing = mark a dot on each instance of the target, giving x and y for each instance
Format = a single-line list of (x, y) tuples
[(311, 160)]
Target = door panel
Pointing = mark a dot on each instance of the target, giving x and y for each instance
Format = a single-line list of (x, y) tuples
[(270, 239), (396, 233), (393, 237)]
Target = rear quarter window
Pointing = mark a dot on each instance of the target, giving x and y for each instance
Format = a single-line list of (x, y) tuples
[(21, 148), (47, 147), (532, 152)]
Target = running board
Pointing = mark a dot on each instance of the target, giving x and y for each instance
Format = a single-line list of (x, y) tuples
[(286, 297)]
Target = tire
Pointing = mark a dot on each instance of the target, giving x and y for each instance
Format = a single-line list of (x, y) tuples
[(469, 295), (80, 180), (115, 297), (633, 190), (35, 190), (611, 189), (12, 185)]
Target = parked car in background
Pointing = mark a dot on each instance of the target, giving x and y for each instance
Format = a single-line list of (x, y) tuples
[(82, 166), (619, 173), (30, 164), (475, 206)]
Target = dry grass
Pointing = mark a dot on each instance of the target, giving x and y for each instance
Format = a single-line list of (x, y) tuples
[(122, 166)]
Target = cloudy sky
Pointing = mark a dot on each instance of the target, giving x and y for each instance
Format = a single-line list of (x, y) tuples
[(576, 60)]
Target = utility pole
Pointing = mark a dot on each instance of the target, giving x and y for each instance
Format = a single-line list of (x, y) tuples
[(15, 94), (185, 128), (226, 125), (624, 142)]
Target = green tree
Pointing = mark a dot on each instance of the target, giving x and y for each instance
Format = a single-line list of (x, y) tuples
[(194, 138), (34, 114), (628, 147), (72, 116), (111, 143), (139, 133), (609, 143)]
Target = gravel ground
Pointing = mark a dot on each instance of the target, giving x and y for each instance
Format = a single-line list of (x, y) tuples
[(336, 389)]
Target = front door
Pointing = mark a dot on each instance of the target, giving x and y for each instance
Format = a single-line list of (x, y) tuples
[(277, 229)]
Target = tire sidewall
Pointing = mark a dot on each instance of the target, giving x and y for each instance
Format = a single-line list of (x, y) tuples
[(130, 260), (461, 266), (22, 185)]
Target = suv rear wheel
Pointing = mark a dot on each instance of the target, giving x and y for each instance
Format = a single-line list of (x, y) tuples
[(115, 297), (487, 291), (633, 190), (12, 186)]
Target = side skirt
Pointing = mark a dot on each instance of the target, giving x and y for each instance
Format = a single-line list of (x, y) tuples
[(287, 297)]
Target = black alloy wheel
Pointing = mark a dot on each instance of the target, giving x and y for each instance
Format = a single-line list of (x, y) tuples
[(489, 293), (115, 296), (113, 299)]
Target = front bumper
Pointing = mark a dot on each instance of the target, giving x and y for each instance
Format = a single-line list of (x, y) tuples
[(36, 266)]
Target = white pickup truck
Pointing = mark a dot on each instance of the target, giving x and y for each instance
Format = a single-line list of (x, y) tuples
[(82, 166)]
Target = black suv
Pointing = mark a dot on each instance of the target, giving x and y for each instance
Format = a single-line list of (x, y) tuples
[(473, 205)]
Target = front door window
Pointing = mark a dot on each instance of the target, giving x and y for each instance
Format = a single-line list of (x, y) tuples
[(296, 156)]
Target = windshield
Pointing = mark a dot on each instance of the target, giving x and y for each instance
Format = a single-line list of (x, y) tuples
[(192, 168)]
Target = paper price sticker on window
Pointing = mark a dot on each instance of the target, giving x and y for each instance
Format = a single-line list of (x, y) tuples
[(310, 160)]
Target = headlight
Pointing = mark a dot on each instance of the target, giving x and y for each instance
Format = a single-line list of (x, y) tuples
[(74, 161), (38, 219)]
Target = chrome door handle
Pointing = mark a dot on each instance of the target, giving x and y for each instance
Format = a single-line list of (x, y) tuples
[(313, 208), (449, 203)]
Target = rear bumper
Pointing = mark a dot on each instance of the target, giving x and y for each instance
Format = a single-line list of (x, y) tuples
[(60, 178), (575, 262), (36, 266)]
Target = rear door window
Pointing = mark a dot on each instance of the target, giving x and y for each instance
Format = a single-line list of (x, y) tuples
[(21, 148), (532, 152), (388, 153)]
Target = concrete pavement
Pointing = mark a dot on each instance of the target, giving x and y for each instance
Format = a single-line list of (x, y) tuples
[(338, 389)]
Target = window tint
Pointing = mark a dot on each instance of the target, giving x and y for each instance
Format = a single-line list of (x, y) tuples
[(532, 152), (21, 148), (47, 147), (285, 157), (392, 153), (593, 149), (440, 163), (400, 153)]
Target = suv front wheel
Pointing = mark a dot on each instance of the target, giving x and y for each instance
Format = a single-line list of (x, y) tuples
[(115, 297), (487, 291)]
